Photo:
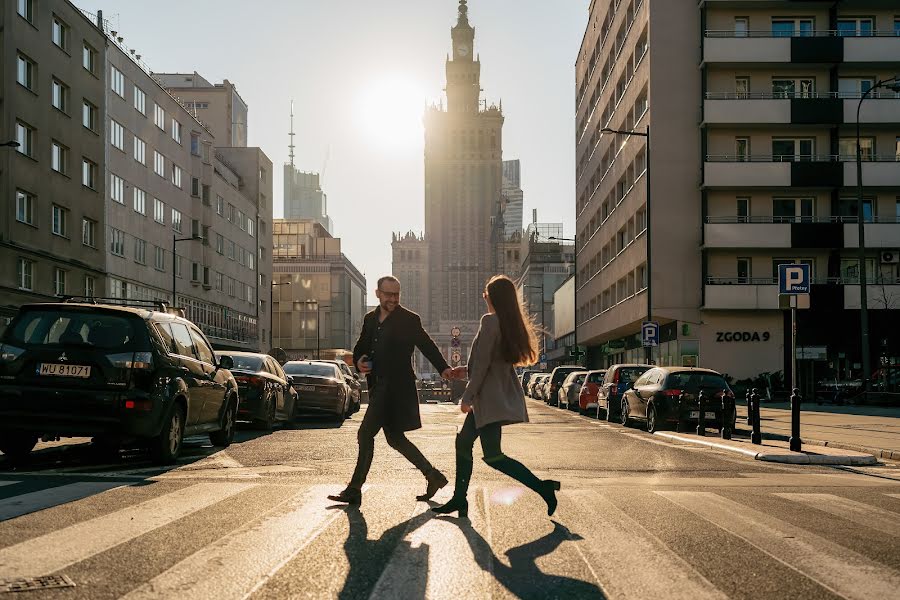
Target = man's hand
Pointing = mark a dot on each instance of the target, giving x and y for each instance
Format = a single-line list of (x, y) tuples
[(460, 372), (464, 407), (362, 365), (447, 373)]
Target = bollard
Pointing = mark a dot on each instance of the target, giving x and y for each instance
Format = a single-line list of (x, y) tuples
[(749, 409), (795, 442), (756, 436), (727, 415), (701, 419)]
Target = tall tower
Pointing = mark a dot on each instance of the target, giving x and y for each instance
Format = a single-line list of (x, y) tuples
[(463, 159)]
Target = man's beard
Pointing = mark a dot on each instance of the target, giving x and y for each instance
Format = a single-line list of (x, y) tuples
[(385, 303)]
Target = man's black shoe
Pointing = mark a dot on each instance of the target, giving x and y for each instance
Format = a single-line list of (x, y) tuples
[(348, 496), (436, 481)]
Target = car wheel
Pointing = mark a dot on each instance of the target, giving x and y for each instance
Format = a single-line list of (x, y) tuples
[(225, 435), (624, 419), (166, 447), (652, 423), (268, 424), (17, 444)]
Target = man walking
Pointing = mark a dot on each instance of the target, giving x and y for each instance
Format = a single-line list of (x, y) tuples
[(383, 353)]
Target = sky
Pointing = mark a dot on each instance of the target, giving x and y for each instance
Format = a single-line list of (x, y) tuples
[(359, 73)]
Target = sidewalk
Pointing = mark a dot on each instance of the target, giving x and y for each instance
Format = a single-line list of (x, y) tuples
[(870, 429)]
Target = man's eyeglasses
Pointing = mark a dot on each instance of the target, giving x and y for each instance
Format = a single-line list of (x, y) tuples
[(389, 294)]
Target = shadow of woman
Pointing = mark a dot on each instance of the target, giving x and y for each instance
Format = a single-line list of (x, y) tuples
[(523, 578)]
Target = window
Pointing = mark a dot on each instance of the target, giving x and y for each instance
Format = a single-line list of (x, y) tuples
[(231, 213), (742, 87), (793, 210), (741, 26), (140, 101), (140, 201), (159, 116), (196, 229), (60, 221), (250, 227), (117, 242), (204, 194), (176, 220), (742, 149), (897, 26), (159, 164), (176, 261), (855, 26), (218, 281), (25, 273), (25, 9), (176, 176), (230, 249), (159, 211), (59, 281), (89, 115), (89, 232), (743, 270), (25, 69), (195, 144), (89, 58), (195, 187), (159, 258), (195, 271), (850, 270), (220, 205), (117, 189), (743, 210), (176, 131), (793, 27), (847, 148), (59, 95), (59, 33), (25, 137), (140, 150), (242, 221), (117, 81), (88, 173), (90, 285), (184, 346), (204, 352), (854, 87), (59, 157), (220, 243), (849, 207), (251, 264), (117, 134), (793, 149), (799, 87), (25, 207), (140, 251)]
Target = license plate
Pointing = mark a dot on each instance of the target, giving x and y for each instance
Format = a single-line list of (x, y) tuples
[(695, 414), (81, 371), (306, 388)]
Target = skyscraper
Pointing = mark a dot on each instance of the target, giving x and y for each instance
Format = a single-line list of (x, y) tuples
[(304, 197), (513, 197)]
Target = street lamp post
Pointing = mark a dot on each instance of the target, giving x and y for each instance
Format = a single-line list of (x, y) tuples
[(272, 311), (648, 351), (175, 240), (543, 332), (892, 83)]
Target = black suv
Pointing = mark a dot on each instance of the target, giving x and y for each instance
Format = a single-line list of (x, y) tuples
[(118, 373)]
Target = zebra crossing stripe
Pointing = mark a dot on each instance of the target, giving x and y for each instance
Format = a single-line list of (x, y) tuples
[(859, 513), (617, 539), (453, 552), (46, 498), (242, 561), (49, 553), (832, 566)]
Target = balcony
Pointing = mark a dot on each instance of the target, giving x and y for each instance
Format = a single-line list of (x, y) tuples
[(725, 47), (872, 49), (802, 46), (883, 170), (746, 232), (733, 293), (882, 232), (879, 296), (884, 108), (742, 109), (768, 170)]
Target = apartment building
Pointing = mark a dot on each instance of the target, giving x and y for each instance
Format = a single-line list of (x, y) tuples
[(218, 105), (753, 109), (52, 224)]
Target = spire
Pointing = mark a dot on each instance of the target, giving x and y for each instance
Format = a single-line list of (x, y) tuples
[(463, 20), (291, 134)]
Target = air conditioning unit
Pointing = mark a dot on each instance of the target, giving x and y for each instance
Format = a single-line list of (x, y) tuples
[(890, 257)]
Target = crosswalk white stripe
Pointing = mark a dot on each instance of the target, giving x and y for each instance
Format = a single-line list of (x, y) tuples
[(2, 483), (893, 495), (839, 569), (862, 514), (49, 553), (454, 554), (239, 563), (616, 539), (46, 498)]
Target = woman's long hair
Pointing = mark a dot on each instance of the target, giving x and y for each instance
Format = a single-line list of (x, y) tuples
[(518, 343)]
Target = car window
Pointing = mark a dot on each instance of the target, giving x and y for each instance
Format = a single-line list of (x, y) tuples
[(244, 363), (76, 328), (316, 369), (269, 365), (631, 374), (204, 352), (692, 380), (165, 332), (644, 379), (184, 345), (596, 377), (278, 370)]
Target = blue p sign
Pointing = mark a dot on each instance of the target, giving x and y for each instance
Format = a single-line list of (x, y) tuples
[(793, 279)]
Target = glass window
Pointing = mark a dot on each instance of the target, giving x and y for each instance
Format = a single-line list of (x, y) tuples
[(849, 207), (195, 144), (140, 201), (742, 87), (204, 352), (742, 149), (792, 27), (117, 189), (89, 286), (60, 221), (46, 327), (159, 258), (184, 345), (176, 220), (159, 164), (25, 273), (117, 81), (743, 270), (89, 115), (140, 100), (743, 209), (741, 26), (140, 150), (176, 131), (789, 150), (314, 369), (140, 251), (165, 333), (89, 58), (88, 232), (854, 87), (25, 71), (117, 134), (25, 9), (59, 33), (117, 242), (59, 95), (25, 207), (855, 26), (159, 211), (847, 148), (176, 175), (59, 281), (159, 116), (88, 173), (25, 137)]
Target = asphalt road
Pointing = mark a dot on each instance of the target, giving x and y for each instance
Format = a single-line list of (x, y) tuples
[(638, 517)]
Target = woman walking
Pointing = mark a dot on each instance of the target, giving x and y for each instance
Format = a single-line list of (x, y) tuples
[(494, 398)]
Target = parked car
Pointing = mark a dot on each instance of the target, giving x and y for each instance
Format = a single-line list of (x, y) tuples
[(568, 391), (665, 397), (616, 379), (533, 385), (540, 389), (320, 388), (587, 396), (354, 386), (267, 396), (555, 381), (525, 378), (116, 373)]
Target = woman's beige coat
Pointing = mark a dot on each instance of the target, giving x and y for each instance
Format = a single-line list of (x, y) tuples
[(494, 390)]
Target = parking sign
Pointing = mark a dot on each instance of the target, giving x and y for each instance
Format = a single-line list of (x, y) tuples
[(793, 279), (650, 334)]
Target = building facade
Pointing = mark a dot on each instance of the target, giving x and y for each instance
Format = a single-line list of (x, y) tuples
[(764, 157), (513, 198), (304, 197), (410, 262), (318, 296), (52, 229), (218, 106)]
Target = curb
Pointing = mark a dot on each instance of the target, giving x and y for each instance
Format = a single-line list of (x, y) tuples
[(794, 458), (877, 452)]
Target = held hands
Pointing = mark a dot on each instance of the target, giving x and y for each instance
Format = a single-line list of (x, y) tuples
[(364, 366)]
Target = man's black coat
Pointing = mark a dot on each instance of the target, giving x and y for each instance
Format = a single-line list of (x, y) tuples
[(402, 333)]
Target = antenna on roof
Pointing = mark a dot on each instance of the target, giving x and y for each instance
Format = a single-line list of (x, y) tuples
[(291, 134)]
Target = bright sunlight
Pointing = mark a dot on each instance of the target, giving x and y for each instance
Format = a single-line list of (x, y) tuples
[(390, 112)]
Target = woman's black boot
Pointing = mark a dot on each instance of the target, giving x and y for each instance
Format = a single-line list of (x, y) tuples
[(456, 504)]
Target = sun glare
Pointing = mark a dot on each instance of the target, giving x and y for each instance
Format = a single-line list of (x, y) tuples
[(390, 112)]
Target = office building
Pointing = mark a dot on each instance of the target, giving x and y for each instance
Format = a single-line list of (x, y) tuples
[(513, 198), (304, 197)]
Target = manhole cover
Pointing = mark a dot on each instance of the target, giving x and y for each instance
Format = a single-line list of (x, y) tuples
[(28, 584)]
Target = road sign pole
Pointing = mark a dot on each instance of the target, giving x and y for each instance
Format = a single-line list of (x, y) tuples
[(793, 342)]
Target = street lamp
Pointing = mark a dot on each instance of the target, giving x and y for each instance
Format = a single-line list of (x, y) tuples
[(892, 83), (175, 240), (272, 312), (574, 240), (11, 144), (648, 351), (319, 308), (543, 332)]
